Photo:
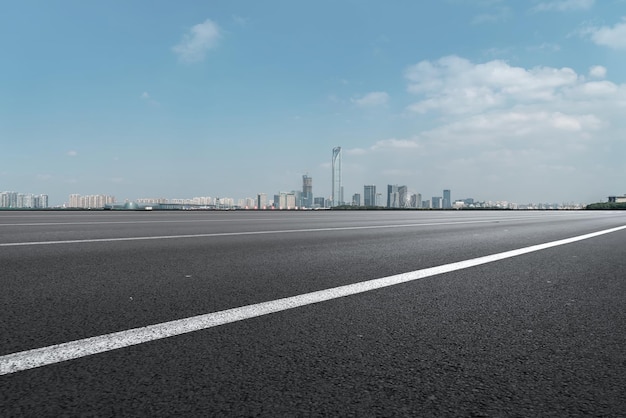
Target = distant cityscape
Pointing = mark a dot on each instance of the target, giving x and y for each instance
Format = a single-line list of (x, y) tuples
[(394, 196), (23, 200)]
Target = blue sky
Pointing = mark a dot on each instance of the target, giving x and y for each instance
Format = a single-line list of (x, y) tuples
[(522, 101)]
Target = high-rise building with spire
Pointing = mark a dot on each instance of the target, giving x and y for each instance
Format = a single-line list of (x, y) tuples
[(337, 198)]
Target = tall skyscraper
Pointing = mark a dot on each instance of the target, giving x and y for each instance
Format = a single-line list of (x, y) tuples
[(12, 200), (379, 199), (369, 195), (74, 201), (447, 202), (307, 191), (342, 201), (393, 196), (336, 165), (261, 201), (356, 199), (403, 195)]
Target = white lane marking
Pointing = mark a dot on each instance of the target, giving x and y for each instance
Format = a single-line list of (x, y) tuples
[(141, 222), (231, 234), (527, 215), (24, 360)]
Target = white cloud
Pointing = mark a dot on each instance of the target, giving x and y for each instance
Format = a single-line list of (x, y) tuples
[(457, 86), (375, 98), (535, 128), (613, 37), (597, 71), (197, 41), (564, 5), (596, 89), (72, 153), (489, 94)]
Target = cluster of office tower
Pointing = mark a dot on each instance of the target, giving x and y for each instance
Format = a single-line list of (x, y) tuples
[(395, 197)]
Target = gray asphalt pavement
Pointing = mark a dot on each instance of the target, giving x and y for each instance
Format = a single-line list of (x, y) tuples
[(539, 334)]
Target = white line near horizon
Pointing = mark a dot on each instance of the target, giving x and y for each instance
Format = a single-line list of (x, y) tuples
[(233, 234), (30, 359), (528, 215), (167, 221), (280, 231)]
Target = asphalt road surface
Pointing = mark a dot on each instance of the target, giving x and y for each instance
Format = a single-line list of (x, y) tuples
[(313, 313)]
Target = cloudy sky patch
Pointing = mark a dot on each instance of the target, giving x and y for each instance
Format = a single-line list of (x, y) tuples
[(609, 36), (197, 41)]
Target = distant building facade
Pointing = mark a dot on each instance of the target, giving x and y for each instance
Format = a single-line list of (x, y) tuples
[(95, 201), (285, 200), (280, 201), (307, 191), (369, 195), (261, 201), (403, 196), (447, 199), (415, 201), (393, 197), (15, 200)]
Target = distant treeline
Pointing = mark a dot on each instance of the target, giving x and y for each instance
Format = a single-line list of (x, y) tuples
[(606, 206)]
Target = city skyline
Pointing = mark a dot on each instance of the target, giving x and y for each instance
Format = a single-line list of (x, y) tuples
[(402, 198), (237, 98), (396, 197)]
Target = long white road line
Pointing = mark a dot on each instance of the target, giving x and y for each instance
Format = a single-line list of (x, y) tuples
[(109, 221), (30, 359), (243, 233), (233, 234)]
